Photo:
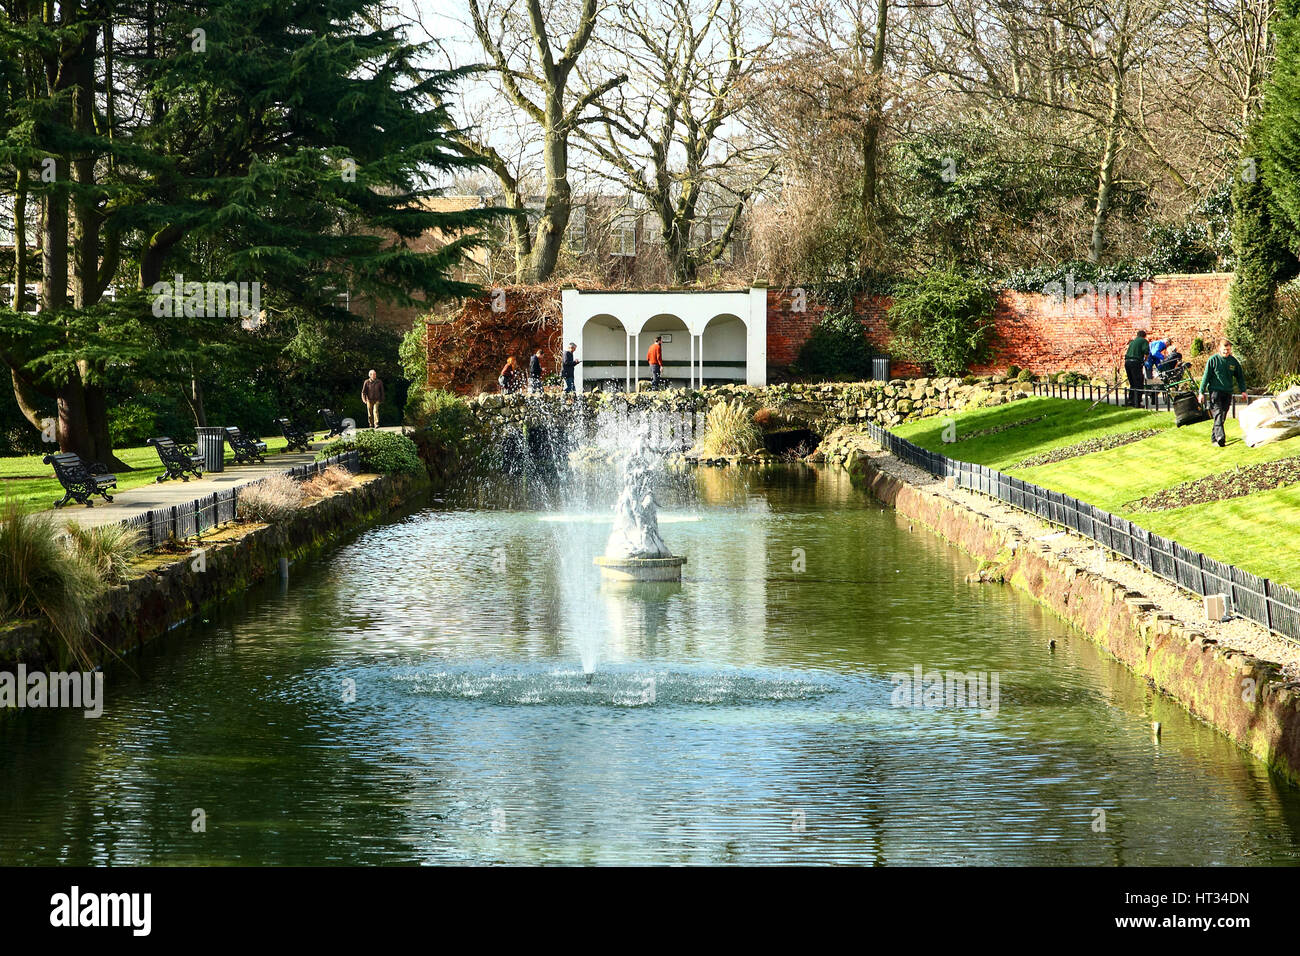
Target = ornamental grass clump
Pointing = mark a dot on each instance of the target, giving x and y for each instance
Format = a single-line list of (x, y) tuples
[(41, 576), (272, 499), (729, 429), (327, 482), (109, 549)]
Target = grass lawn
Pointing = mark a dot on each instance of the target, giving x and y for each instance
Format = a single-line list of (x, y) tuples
[(1258, 532), (33, 485)]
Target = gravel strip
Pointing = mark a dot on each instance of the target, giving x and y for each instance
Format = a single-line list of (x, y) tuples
[(1104, 443), (1239, 633)]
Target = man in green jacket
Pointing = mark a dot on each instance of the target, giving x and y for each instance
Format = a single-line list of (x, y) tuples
[(1221, 373), (1134, 360)]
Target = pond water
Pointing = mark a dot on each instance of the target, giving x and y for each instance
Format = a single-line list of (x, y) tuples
[(421, 695)]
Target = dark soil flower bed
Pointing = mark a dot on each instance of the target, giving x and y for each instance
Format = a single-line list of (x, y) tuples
[(1226, 484), (1001, 428), (1103, 443)]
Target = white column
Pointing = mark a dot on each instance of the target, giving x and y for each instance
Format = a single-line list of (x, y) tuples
[(636, 362), (701, 354), (756, 337), (690, 375)]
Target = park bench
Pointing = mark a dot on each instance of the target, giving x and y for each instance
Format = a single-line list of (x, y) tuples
[(331, 422), (297, 436), (177, 459), (247, 450), (80, 480)]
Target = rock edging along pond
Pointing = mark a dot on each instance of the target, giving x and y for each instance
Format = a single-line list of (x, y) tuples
[(817, 407), (1244, 697), (181, 585)]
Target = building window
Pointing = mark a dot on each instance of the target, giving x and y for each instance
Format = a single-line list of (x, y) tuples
[(625, 236), (576, 232)]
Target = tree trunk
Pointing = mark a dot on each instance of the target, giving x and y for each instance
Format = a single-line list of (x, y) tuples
[(26, 394), (1106, 173), (871, 133), (195, 399), (555, 214)]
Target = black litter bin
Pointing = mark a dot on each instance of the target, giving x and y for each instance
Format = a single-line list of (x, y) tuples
[(212, 446)]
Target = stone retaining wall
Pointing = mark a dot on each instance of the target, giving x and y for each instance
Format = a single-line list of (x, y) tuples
[(148, 606), (1247, 699), (820, 408)]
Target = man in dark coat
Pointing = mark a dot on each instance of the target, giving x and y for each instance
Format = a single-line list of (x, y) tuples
[(567, 369), (1135, 359), (535, 372)]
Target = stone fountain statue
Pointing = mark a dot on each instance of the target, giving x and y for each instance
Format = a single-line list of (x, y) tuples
[(635, 551)]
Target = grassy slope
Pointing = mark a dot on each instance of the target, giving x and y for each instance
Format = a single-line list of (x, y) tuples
[(1257, 532), (39, 493)]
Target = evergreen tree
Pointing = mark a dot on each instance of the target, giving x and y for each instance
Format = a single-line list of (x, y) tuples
[(288, 144)]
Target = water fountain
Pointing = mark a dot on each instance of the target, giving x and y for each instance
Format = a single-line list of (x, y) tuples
[(635, 551)]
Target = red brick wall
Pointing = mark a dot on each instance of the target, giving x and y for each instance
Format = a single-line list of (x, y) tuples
[(1034, 331)]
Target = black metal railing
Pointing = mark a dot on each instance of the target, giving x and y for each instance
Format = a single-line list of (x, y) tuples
[(1156, 399), (193, 518), (1266, 602)]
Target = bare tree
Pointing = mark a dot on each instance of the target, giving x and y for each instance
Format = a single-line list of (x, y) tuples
[(1076, 58), (674, 136), (535, 69)]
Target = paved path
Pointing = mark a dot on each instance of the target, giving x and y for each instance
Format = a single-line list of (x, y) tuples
[(136, 501)]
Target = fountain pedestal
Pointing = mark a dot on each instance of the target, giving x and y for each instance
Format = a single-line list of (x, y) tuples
[(641, 569)]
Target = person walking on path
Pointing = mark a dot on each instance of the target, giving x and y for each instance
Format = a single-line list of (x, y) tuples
[(1134, 359), (656, 359), (567, 369), (372, 393), (1221, 373), (535, 372)]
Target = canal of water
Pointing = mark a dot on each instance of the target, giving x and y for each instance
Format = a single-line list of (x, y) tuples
[(420, 695)]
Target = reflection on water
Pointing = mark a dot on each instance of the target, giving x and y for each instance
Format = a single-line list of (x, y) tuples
[(422, 695)]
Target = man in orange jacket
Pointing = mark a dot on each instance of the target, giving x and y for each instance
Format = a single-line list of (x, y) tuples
[(656, 359)]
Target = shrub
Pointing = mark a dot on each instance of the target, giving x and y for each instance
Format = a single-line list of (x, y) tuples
[(729, 430), (1013, 371), (763, 417), (1025, 376), (837, 346), (439, 415), (1198, 346), (272, 499), (384, 453), (108, 549), (1282, 383), (41, 578), (943, 320)]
